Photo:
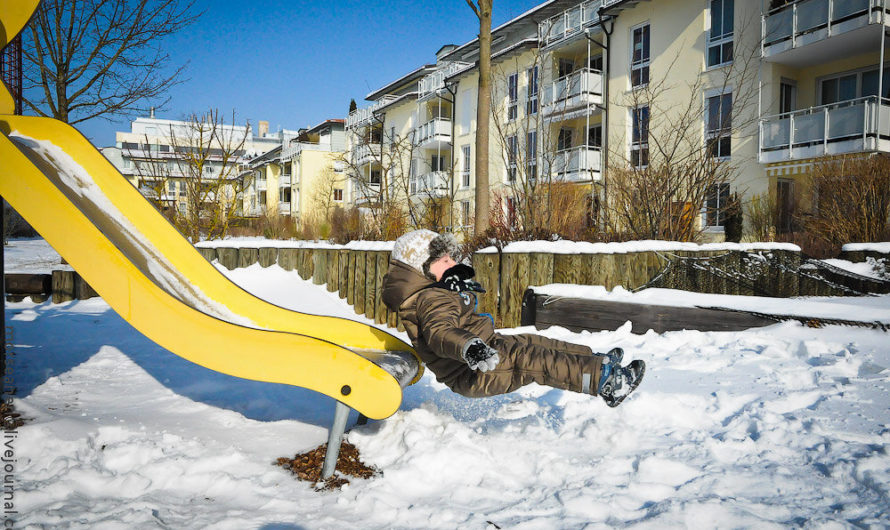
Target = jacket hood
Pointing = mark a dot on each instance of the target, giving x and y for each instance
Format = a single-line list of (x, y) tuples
[(400, 283)]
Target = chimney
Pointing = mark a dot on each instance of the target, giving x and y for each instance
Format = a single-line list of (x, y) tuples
[(263, 128), (152, 113)]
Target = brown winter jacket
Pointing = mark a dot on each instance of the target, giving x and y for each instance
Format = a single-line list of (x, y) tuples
[(449, 322)]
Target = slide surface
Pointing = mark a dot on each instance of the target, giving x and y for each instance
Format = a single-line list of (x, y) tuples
[(155, 279)]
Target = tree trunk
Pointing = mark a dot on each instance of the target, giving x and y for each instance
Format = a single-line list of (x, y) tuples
[(483, 114)]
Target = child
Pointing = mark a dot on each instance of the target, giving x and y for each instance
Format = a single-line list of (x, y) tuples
[(435, 297)]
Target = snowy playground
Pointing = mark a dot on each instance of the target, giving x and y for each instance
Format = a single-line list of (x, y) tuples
[(772, 427)]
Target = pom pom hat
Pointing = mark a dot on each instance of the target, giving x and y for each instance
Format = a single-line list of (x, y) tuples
[(420, 248)]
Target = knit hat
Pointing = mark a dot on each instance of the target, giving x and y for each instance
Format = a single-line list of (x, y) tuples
[(420, 248)]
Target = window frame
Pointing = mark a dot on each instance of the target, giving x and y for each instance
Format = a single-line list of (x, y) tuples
[(642, 64), (531, 103), (640, 145), (721, 40), (721, 134), (512, 146), (513, 96), (465, 159), (717, 212)]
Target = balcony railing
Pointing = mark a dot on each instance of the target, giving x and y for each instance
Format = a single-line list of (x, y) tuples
[(429, 84), (437, 129), (360, 117), (284, 181), (806, 21), (578, 163), (365, 153), (568, 23), (365, 193), (847, 127), (284, 207), (434, 183), (261, 184), (571, 91)]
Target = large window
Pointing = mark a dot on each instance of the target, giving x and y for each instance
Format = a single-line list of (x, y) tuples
[(531, 155), (639, 145), (719, 125), (512, 152), (720, 34), (465, 213), (465, 171), (512, 96), (338, 194), (853, 85), (639, 65), (715, 205), (531, 105)]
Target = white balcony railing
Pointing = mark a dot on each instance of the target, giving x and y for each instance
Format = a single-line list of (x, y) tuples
[(437, 129), (806, 21), (568, 23), (365, 193), (571, 91), (366, 153), (434, 183), (429, 84), (847, 127), (284, 181), (284, 207), (363, 116), (261, 184), (578, 163)]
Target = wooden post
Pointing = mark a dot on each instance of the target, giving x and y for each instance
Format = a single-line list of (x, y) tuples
[(370, 283), (82, 290), (333, 257), (228, 257), (208, 253), (63, 286), (487, 267), (268, 256), (514, 282), (350, 278), (360, 266), (320, 264), (540, 269), (342, 271), (247, 256), (379, 307), (287, 258), (568, 268)]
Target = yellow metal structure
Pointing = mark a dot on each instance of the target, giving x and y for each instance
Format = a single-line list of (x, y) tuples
[(309, 351)]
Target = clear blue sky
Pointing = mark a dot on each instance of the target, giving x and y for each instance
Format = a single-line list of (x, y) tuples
[(296, 64)]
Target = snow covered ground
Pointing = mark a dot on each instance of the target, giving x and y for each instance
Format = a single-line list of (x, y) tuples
[(773, 427)]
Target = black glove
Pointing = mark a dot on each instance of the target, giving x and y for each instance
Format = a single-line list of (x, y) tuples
[(460, 278), (480, 356)]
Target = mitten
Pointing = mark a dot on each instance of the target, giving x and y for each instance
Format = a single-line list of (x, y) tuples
[(480, 356)]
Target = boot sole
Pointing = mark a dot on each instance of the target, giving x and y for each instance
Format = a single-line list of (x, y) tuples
[(633, 387)]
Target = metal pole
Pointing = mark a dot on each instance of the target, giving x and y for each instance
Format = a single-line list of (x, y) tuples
[(341, 413), (880, 76)]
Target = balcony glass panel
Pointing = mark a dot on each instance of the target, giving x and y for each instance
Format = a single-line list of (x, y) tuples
[(811, 14), (846, 121), (845, 8), (776, 133), (809, 128), (779, 26)]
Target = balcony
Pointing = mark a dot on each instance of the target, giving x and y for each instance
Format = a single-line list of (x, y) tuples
[(366, 154), (578, 164), (434, 134), (284, 181), (569, 23), (284, 208), (430, 84), (261, 184), (367, 193), (360, 117), (570, 96), (798, 34), (854, 126), (432, 184)]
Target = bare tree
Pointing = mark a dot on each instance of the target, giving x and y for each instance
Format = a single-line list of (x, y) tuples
[(483, 111), (101, 58), (204, 156)]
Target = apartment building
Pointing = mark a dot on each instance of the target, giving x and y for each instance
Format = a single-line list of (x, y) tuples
[(580, 88), (301, 175), (154, 155)]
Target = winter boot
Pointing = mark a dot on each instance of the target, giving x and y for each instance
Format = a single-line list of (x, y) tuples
[(617, 382), (613, 356)]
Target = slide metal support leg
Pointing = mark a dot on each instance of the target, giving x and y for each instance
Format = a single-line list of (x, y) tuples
[(341, 414)]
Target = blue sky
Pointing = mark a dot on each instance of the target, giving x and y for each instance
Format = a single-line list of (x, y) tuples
[(296, 64)]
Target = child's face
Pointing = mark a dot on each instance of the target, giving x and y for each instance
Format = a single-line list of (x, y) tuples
[(438, 267)]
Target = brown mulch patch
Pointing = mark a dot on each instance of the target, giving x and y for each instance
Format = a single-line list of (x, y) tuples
[(307, 466), (9, 418)]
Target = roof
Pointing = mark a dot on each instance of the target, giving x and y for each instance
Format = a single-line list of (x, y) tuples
[(407, 78)]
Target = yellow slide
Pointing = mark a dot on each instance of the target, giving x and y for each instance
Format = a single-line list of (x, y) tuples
[(147, 272)]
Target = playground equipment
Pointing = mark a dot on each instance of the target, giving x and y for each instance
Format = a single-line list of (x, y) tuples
[(156, 280)]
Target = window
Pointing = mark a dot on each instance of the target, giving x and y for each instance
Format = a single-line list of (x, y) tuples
[(171, 187), (787, 96), (128, 163), (531, 155), (129, 145), (512, 152), (512, 96), (596, 63), (531, 106), (720, 35), (437, 163), (375, 176), (715, 205), (338, 194), (465, 213), (785, 205), (639, 65), (565, 67), (639, 146), (719, 125), (564, 139), (465, 174), (853, 85), (284, 195), (595, 136)]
